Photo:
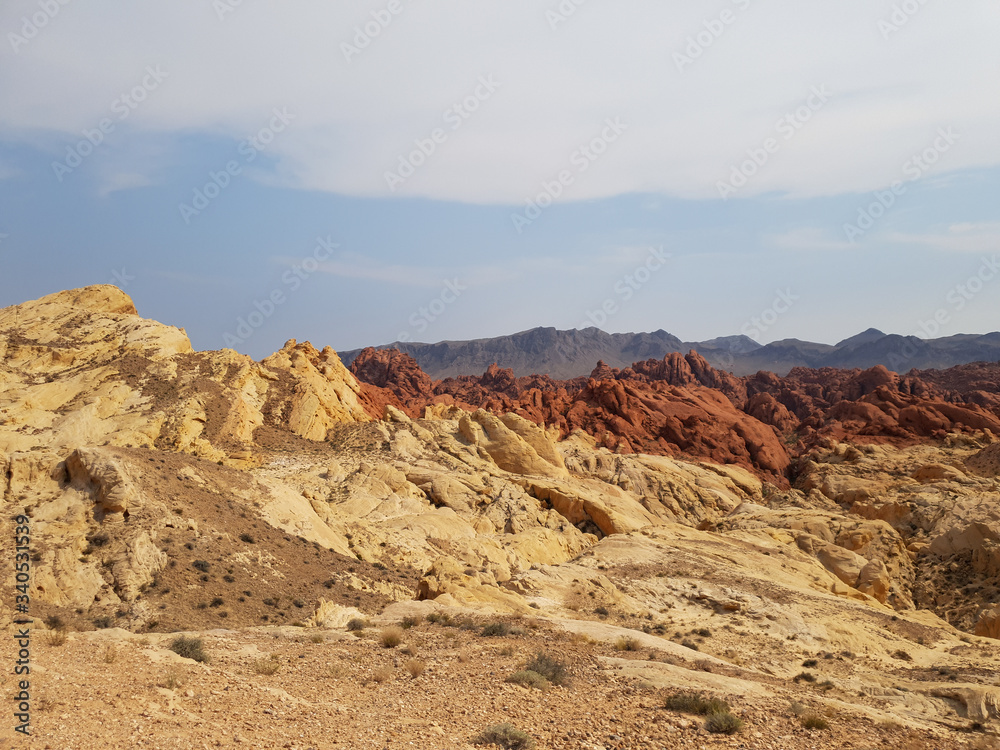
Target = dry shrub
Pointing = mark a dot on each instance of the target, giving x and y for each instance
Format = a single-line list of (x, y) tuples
[(56, 637), (268, 666), (381, 674), (391, 636), (415, 667), (530, 679)]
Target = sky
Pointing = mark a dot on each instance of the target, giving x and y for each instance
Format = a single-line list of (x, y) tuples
[(358, 173)]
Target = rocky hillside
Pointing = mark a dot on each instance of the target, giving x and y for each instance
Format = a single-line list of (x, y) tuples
[(570, 354), (286, 516)]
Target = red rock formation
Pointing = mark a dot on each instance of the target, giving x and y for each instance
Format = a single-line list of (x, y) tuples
[(680, 405)]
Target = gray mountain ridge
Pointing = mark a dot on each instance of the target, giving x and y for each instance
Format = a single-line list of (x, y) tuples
[(574, 353)]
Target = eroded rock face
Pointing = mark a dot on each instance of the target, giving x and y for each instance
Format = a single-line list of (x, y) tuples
[(82, 368)]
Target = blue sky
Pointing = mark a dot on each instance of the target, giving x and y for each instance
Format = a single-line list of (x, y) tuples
[(266, 171)]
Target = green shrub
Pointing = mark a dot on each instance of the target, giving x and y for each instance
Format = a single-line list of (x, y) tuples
[(528, 678), (189, 648), (505, 736), (550, 668), (723, 723)]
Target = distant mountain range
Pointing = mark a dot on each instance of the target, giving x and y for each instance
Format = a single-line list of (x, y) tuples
[(569, 354)]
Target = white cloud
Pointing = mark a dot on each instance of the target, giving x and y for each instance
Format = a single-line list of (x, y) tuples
[(966, 237), (686, 128)]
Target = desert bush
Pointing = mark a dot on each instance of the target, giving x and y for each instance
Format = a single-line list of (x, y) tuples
[(724, 722), (529, 678), (805, 677), (391, 636), (268, 666), (439, 617), (494, 629), (552, 669), (201, 565), (317, 638), (103, 622), (810, 663), (812, 721), (172, 680), (381, 674), (693, 703), (505, 736), (247, 538), (189, 648), (703, 632), (356, 623), (408, 622), (56, 637), (627, 643), (415, 667)]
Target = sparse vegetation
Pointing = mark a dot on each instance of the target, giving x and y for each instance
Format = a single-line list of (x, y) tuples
[(498, 629), (391, 636), (268, 666), (505, 736), (529, 678), (189, 648), (202, 565), (627, 643), (382, 674), (810, 663), (415, 667), (813, 721), (247, 538), (172, 680), (103, 622), (552, 669), (724, 722), (693, 703), (805, 677), (408, 622), (56, 637), (356, 623)]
